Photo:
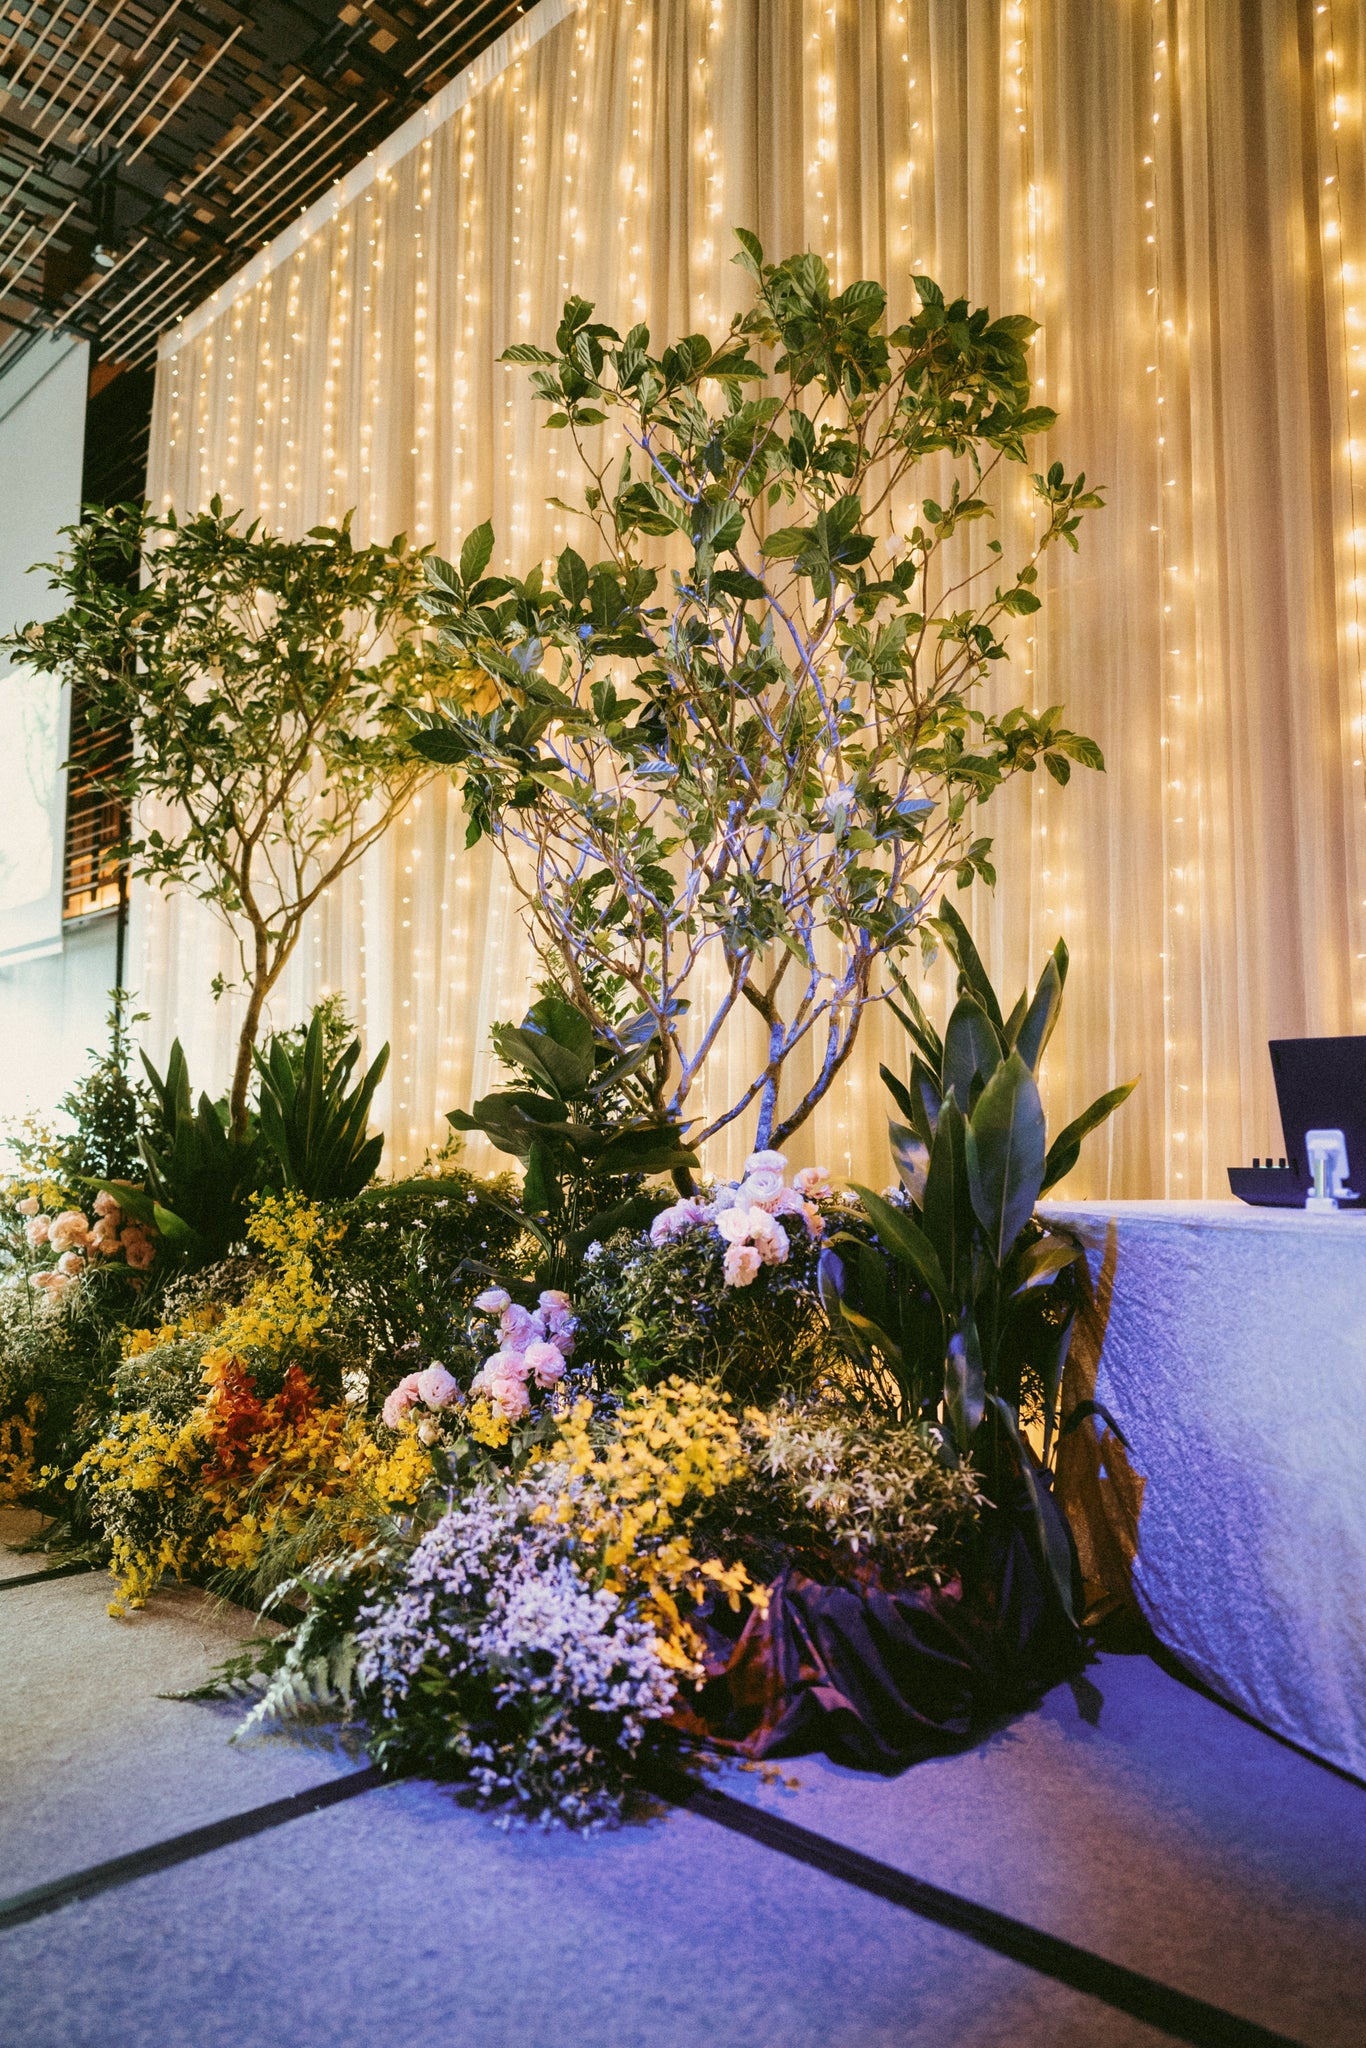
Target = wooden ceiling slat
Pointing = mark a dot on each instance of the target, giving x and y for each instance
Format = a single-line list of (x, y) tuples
[(172, 164)]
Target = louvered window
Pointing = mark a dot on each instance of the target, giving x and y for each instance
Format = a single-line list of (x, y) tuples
[(95, 820)]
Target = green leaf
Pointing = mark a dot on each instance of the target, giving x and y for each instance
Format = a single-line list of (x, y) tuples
[(904, 1238), (912, 1156), (1065, 1150), (965, 1387), (1054, 1549), (1006, 1138), (958, 939), (972, 1049), (1036, 1026), (572, 576), (1044, 1261), (476, 554)]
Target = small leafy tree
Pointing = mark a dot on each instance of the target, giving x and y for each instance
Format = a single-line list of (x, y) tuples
[(798, 758), (268, 685)]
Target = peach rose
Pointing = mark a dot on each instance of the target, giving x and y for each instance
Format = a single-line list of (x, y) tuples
[(740, 1265), (437, 1387), (68, 1231), (546, 1363), (35, 1230)]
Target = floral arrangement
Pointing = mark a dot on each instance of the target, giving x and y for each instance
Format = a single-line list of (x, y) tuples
[(73, 1240), (520, 1534), (723, 1283)]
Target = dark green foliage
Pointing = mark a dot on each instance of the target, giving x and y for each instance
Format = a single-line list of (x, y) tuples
[(201, 1178), (963, 1302), (412, 1256), (313, 1127), (651, 1310), (106, 1108), (583, 1125)]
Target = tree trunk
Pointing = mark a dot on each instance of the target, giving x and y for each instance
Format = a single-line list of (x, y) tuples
[(262, 981)]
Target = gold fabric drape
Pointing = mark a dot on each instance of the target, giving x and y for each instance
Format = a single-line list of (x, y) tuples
[(1177, 191)]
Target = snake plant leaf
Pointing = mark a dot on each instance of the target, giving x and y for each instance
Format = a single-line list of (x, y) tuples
[(905, 1239), (912, 1156), (1065, 1150), (972, 1050), (1005, 1144), (1054, 1549), (965, 1386), (972, 973), (1036, 1026)]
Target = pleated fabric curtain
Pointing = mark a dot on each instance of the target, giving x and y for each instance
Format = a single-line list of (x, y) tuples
[(1177, 192)]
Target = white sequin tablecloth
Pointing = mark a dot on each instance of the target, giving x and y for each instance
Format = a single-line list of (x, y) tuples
[(1229, 1344)]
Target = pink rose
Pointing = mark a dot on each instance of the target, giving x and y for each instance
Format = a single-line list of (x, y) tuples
[(553, 1298), (68, 1230), (815, 1222), (546, 1363), (737, 1225), (563, 1339), (53, 1284), (509, 1396), (762, 1189), (740, 1265), (404, 1396), (29, 1206), (493, 1300), (516, 1324), (671, 1223), (508, 1359), (138, 1249), (437, 1387), (814, 1182), (35, 1230), (771, 1243)]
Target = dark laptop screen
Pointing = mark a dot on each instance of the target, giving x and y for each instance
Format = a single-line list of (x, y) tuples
[(1321, 1085)]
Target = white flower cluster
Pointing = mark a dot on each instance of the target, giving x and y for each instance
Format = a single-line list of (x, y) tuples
[(746, 1215), (491, 1598)]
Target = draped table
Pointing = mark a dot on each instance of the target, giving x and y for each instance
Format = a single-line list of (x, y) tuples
[(1229, 1346)]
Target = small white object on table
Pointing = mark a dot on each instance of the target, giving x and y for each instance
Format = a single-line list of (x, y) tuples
[(1229, 1345)]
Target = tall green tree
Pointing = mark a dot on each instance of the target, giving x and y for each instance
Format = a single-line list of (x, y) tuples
[(750, 730), (269, 685)]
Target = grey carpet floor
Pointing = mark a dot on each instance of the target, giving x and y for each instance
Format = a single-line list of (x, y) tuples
[(1129, 1814)]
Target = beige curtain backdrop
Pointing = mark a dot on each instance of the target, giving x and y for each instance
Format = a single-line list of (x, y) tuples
[(1176, 191)]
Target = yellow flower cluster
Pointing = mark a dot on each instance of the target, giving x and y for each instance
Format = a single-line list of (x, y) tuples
[(486, 1425), (146, 1478), (196, 1323), (287, 1309), (18, 1435), (627, 1499), (39, 1179), (165, 1509)]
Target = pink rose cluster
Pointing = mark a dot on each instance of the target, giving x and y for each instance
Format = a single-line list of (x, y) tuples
[(533, 1344), (747, 1215), (433, 1389), (77, 1241)]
